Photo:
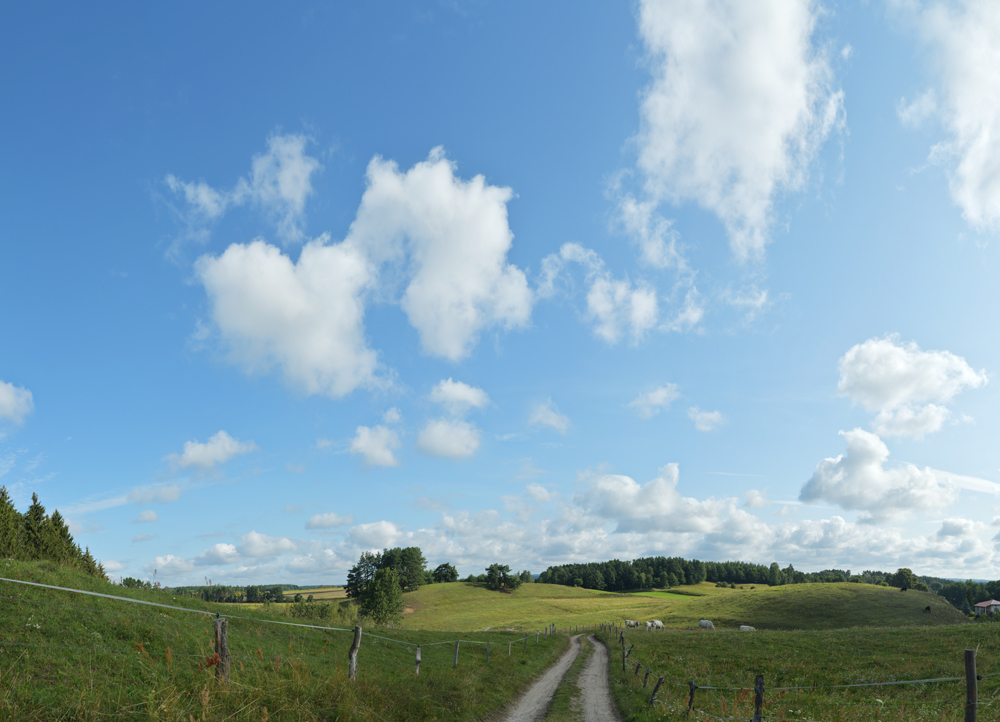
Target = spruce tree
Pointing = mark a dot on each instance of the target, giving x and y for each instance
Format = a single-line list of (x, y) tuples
[(10, 527), (33, 536)]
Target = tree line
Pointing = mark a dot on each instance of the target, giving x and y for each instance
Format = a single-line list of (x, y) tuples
[(37, 536)]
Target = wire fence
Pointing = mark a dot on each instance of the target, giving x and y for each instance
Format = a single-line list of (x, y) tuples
[(970, 701), (255, 639)]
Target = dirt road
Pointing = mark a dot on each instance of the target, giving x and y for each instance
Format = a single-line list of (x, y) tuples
[(593, 683)]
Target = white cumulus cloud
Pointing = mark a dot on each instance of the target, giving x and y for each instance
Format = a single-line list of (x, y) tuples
[(546, 414), (739, 103), (376, 445), (450, 438), (219, 449), (16, 402), (859, 479), (962, 39), (147, 516), (375, 535), (217, 554), (458, 397), (261, 546), (650, 404), (906, 386)]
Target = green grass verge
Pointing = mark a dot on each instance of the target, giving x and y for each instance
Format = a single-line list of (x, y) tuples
[(811, 659), (66, 656)]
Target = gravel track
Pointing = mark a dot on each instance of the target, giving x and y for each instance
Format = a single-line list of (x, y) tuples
[(593, 683)]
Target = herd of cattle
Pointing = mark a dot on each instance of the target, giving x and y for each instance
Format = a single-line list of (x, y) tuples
[(657, 624)]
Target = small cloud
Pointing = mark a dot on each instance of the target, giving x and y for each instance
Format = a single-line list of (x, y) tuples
[(427, 504), (705, 420), (546, 414), (293, 508), (847, 51), (295, 468), (16, 402), (458, 397), (329, 520), (540, 494), (392, 416), (376, 445), (159, 494), (450, 438), (111, 565), (139, 538), (913, 114), (146, 517), (657, 400), (325, 444), (754, 499), (217, 450)]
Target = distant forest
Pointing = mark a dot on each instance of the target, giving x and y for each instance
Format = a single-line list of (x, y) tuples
[(666, 572), (37, 536)]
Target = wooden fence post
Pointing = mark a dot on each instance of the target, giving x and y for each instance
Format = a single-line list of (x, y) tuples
[(655, 690), (457, 642), (417, 673), (637, 665), (971, 693), (758, 699), (221, 649), (352, 654), (691, 686), (508, 648), (487, 653), (646, 678), (536, 636)]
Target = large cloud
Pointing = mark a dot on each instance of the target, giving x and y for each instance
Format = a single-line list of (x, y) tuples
[(859, 479), (16, 402), (219, 449), (305, 317), (739, 103), (906, 386), (654, 506), (962, 37), (433, 242)]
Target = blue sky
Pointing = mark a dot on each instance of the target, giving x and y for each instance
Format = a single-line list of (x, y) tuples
[(516, 283)]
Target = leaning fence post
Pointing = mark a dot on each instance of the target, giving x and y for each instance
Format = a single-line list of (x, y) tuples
[(655, 690), (637, 665), (692, 686), (971, 693), (646, 678), (758, 698), (352, 654), (457, 642), (221, 649), (417, 673), (487, 653), (508, 648)]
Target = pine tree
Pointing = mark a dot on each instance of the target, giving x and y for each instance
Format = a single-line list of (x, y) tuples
[(33, 535), (10, 527)]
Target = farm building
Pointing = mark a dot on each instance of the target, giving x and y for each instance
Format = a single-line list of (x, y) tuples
[(990, 607)]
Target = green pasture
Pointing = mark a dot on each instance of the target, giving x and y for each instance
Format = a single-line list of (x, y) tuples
[(66, 656), (811, 659)]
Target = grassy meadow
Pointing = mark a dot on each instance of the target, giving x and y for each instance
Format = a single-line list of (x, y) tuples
[(811, 659), (66, 656)]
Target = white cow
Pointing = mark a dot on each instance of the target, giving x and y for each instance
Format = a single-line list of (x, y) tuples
[(705, 624), (747, 628), (629, 623), (657, 624), (649, 625)]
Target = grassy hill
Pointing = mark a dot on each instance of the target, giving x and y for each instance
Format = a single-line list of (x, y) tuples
[(462, 605), (66, 656)]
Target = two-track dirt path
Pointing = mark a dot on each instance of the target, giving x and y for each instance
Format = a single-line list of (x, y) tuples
[(593, 683)]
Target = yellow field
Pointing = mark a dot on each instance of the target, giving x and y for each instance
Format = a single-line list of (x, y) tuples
[(322, 594)]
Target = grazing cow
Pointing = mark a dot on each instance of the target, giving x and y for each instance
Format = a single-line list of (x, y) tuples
[(631, 623), (657, 624), (747, 628), (649, 625), (927, 608), (705, 624)]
